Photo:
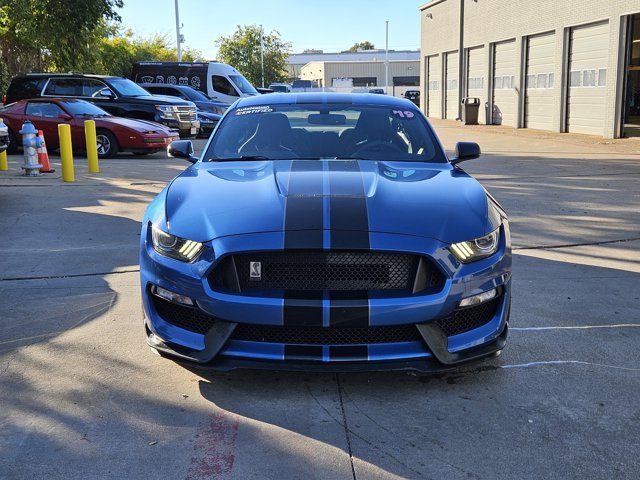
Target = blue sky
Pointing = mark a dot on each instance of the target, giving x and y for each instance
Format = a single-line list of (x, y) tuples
[(331, 25)]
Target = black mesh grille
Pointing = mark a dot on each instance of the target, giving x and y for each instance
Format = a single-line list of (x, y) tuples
[(189, 318), (465, 319), (326, 335), (328, 271)]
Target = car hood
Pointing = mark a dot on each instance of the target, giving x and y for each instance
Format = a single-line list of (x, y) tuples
[(158, 100), (216, 199), (139, 126)]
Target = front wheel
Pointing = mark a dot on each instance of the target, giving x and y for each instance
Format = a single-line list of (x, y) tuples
[(107, 144), (12, 149)]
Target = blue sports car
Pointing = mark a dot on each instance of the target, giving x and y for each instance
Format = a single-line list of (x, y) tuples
[(328, 232)]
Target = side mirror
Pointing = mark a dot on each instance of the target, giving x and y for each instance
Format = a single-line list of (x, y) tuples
[(465, 151), (106, 93), (182, 149)]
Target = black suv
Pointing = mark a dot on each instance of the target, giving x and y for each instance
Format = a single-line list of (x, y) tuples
[(118, 96), (203, 102)]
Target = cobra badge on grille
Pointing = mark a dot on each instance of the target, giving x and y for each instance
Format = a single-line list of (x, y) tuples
[(255, 270)]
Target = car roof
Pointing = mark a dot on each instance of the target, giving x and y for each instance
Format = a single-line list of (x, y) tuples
[(179, 87), (68, 75), (325, 97)]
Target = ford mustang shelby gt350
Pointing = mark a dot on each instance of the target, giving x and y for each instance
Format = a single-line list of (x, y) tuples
[(325, 231)]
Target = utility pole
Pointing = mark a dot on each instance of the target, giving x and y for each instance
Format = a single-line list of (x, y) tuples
[(461, 61), (179, 38), (386, 59), (261, 53)]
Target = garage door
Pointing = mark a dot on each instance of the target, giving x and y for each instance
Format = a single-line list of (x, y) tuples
[(451, 83), (434, 98), (539, 81), (476, 68), (588, 54), (504, 74)]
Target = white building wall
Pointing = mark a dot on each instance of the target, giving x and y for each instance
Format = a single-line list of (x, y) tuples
[(489, 21)]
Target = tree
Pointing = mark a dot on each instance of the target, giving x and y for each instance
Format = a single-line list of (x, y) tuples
[(362, 46), (51, 35), (119, 49), (242, 51)]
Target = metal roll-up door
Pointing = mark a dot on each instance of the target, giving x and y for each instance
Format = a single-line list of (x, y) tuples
[(588, 57), (539, 81), (476, 68), (503, 90), (451, 85), (434, 97)]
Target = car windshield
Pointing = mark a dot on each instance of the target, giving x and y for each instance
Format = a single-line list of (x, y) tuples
[(243, 84), (310, 131), (81, 108), (126, 88), (195, 95)]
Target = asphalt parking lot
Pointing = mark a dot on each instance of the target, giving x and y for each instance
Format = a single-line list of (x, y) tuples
[(81, 396)]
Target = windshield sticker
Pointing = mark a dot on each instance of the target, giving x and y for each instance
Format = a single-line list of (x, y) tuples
[(403, 114), (254, 110)]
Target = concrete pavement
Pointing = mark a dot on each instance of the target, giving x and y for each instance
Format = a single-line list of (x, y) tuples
[(82, 397)]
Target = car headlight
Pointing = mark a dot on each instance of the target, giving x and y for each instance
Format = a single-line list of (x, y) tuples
[(166, 111), (476, 249), (175, 247)]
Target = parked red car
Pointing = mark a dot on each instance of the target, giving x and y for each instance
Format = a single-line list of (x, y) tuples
[(114, 134)]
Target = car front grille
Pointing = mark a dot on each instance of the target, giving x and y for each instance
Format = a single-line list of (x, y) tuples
[(358, 272), (186, 114), (465, 319), (326, 335), (189, 318)]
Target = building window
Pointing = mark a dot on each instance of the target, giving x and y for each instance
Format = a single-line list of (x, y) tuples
[(575, 78), (407, 81), (550, 80), (475, 83), (365, 81), (452, 84), (602, 77), (588, 78), (497, 82), (542, 80), (433, 85)]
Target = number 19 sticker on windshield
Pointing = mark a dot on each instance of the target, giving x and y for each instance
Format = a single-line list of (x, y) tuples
[(403, 114)]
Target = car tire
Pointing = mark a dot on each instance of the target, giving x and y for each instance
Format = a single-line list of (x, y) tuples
[(107, 144), (12, 149)]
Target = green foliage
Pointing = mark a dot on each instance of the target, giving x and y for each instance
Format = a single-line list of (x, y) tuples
[(362, 46), (118, 50), (50, 35), (242, 51), (73, 35)]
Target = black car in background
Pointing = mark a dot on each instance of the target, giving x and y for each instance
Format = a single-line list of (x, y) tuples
[(118, 96), (208, 122), (184, 92), (413, 95)]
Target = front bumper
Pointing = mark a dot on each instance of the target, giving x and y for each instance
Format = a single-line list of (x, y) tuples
[(432, 351), (189, 129)]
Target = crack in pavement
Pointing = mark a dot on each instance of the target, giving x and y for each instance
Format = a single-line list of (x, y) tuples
[(71, 275), (346, 426), (569, 245)]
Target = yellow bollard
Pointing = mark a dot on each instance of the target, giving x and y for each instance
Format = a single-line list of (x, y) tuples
[(92, 145), (4, 165), (66, 154)]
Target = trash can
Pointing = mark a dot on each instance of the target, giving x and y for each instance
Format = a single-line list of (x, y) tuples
[(470, 109)]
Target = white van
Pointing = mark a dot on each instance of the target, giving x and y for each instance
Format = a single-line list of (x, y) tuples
[(219, 81)]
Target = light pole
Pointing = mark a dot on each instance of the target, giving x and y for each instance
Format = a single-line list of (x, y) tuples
[(386, 59), (261, 53), (178, 35)]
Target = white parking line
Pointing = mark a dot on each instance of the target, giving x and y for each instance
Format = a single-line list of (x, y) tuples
[(575, 327), (563, 362)]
